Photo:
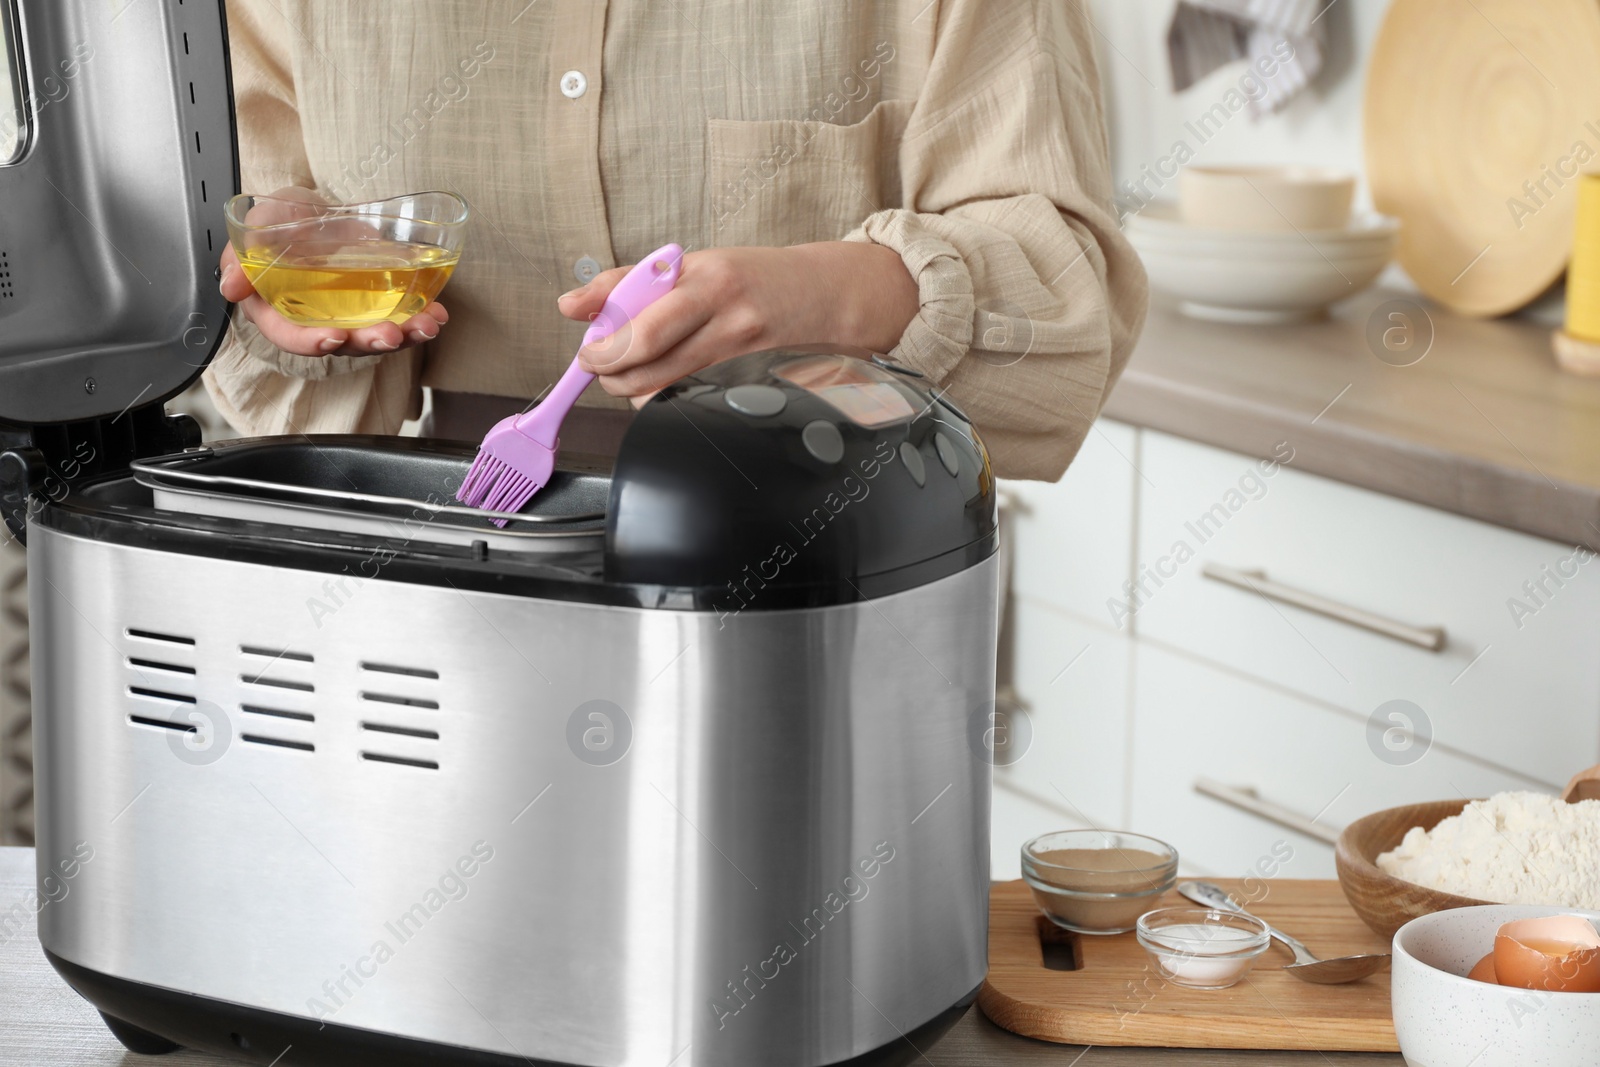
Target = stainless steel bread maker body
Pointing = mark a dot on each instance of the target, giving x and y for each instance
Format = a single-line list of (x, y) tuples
[(683, 766)]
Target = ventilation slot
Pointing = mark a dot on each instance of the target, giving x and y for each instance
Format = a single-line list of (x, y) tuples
[(277, 713), (163, 724), (7, 291), (400, 731), (151, 635), (150, 664), (278, 742), (424, 764), (410, 672), (277, 653), (278, 683), (157, 694), (410, 702)]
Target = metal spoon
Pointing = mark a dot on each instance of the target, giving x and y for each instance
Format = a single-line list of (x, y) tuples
[(1306, 967)]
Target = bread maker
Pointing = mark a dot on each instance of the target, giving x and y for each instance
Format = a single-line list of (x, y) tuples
[(682, 766)]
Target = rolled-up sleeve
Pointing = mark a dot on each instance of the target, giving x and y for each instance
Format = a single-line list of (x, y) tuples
[(1031, 297), (259, 388)]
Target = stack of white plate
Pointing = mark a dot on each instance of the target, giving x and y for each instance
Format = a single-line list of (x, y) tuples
[(1259, 276)]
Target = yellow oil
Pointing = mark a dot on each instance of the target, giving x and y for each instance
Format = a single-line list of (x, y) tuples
[(348, 285)]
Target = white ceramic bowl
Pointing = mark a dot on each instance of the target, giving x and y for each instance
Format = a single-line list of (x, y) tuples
[(1236, 276), (1266, 198), (1444, 1019)]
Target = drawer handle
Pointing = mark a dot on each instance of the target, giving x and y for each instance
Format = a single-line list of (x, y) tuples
[(1431, 638), (1246, 799)]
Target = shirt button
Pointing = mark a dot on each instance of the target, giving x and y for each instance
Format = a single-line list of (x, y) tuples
[(574, 84), (586, 268)]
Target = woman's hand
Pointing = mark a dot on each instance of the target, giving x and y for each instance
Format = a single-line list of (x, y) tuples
[(730, 301), (320, 340)]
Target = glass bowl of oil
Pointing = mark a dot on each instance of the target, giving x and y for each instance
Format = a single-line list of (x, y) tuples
[(347, 266)]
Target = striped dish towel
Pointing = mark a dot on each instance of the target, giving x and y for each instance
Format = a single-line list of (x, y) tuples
[(1205, 34)]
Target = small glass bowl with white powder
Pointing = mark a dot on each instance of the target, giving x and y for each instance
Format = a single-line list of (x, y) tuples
[(1201, 948)]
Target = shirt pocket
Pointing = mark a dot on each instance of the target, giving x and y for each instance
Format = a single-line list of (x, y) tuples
[(789, 181)]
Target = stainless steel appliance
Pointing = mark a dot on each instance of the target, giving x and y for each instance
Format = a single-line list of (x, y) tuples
[(684, 766)]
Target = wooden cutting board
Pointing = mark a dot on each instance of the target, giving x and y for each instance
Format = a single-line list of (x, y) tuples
[(1117, 997)]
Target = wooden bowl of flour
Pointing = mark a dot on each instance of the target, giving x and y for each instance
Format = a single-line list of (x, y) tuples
[(1384, 902)]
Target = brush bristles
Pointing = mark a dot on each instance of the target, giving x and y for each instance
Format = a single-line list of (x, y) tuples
[(495, 485), (481, 479)]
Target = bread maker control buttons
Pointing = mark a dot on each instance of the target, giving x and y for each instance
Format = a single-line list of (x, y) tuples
[(913, 461), (823, 440), (947, 453), (756, 400), (898, 368)]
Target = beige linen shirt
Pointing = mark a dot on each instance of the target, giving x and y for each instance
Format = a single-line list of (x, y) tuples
[(966, 135)]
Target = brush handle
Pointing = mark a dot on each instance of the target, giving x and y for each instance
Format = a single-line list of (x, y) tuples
[(651, 278)]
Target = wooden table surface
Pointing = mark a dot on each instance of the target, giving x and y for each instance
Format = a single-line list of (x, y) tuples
[(1484, 425), (43, 1023)]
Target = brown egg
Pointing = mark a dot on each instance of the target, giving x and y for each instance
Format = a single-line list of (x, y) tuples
[(1559, 953), (1483, 971)]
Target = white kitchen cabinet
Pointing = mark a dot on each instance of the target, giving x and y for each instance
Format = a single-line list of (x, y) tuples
[(1016, 819), (1071, 543), (1073, 538), (1519, 690), (1073, 681), (1213, 681), (1193, 721)]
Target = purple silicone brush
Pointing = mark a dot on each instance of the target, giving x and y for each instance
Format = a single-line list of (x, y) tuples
[(518, 456)]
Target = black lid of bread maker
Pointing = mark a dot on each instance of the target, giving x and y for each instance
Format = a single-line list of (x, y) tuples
[(110, 228), (799, 477)]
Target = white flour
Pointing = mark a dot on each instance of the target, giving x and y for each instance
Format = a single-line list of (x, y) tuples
[(1514, 848)]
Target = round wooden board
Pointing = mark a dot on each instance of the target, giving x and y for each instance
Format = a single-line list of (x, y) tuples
[(1465, 105)]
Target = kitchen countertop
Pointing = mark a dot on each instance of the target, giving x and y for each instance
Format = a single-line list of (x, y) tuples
[(43, 1023), (1484, 425)]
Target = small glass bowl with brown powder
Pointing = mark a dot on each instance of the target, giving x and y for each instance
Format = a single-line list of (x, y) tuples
[(1098, 881)]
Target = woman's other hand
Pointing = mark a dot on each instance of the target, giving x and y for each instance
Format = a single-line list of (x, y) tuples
[(319, 340), (730, 301)]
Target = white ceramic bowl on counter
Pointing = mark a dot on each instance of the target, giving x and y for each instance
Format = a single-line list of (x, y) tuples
[(1260, 277), (1444, 1019)]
